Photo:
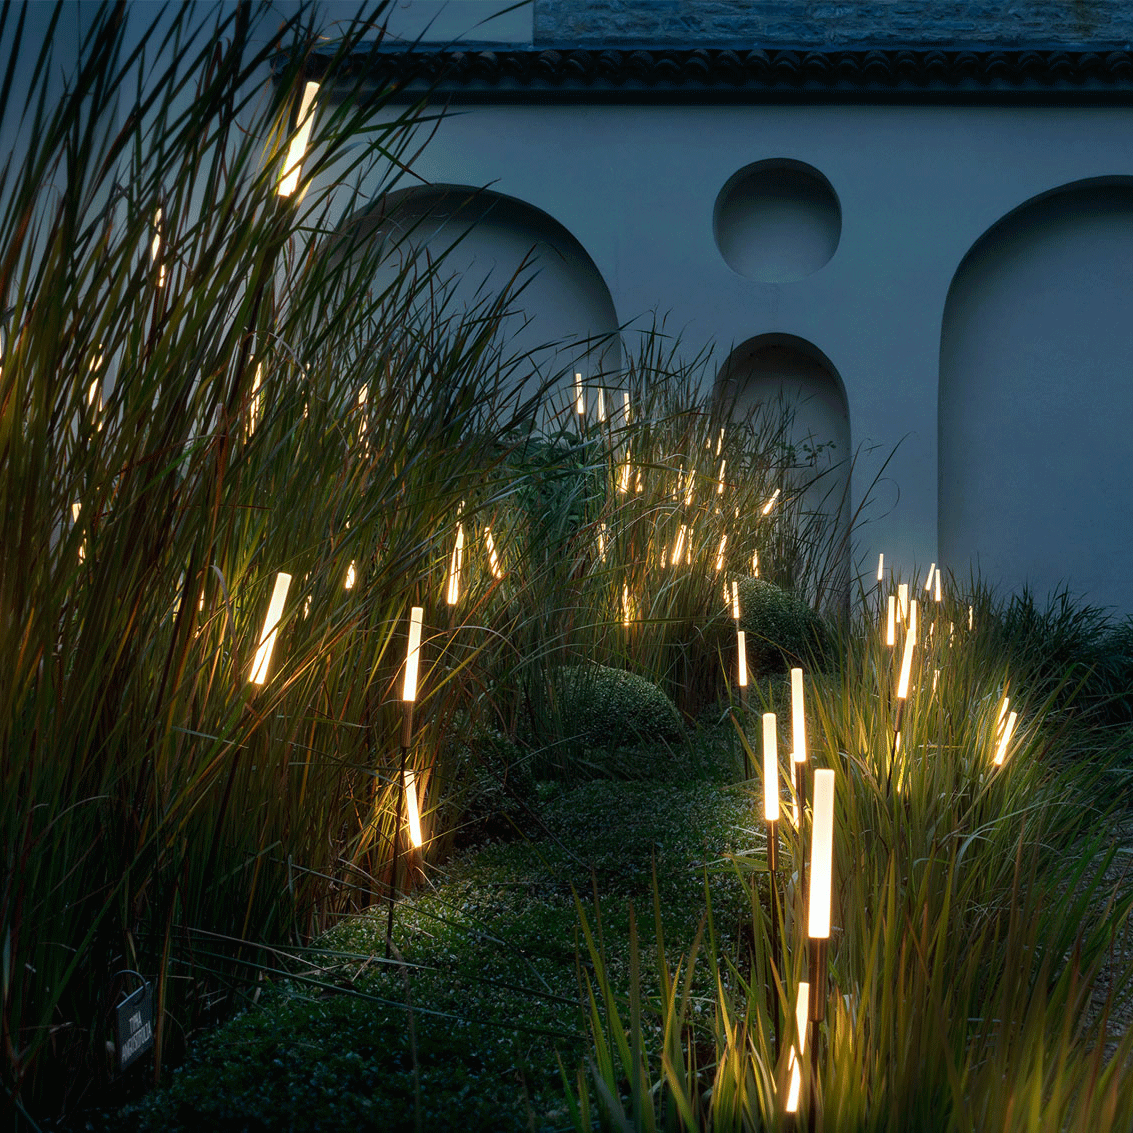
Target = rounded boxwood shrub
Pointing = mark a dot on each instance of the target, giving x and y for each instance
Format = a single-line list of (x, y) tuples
[(608, 708), (781, 629)]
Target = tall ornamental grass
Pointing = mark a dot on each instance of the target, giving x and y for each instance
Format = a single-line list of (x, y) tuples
[(980, 932), (194, 396), (205, 382)]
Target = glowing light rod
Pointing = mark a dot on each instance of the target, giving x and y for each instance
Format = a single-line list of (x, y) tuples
[(271, 623), (413, 655), (296, 151)]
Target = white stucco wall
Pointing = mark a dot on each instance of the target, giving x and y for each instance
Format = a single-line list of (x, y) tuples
[(917, 186)]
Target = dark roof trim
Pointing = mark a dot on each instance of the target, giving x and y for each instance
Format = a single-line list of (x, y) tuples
[(482, 73)]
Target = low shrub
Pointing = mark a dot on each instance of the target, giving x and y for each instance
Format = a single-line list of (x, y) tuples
[(781, 629)]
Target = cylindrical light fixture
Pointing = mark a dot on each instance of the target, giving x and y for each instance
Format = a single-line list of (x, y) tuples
[(271, 623), (579, 396), (881, 566), (771, 502), (412, 810), (741, 658), (770, 768), (931, 577), (798, 717), (413, 654), (293, 164), (821, 885), (903, 600), (798, 1050), (1005, 738), (891, 622)]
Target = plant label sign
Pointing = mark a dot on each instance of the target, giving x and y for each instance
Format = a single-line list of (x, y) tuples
[(134, 1025)]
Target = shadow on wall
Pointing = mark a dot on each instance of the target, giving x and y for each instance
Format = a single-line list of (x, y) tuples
[(483, 241), (792, 380), (1036, 397)]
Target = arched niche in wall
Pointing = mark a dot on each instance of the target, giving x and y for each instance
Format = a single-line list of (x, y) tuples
[(1036, 397), (480, 243), (787, 383)]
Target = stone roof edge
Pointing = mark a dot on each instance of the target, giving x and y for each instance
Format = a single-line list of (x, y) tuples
[(491, 72)]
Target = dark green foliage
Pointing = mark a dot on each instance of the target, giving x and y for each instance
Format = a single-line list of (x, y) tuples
[(611, 708), (782, 630)]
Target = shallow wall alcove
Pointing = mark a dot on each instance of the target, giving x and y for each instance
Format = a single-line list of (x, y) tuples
[(482, 241), (790, 379), (1036, 397)]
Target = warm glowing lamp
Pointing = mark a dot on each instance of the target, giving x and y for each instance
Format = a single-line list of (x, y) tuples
[(494, 559), (625, 406), (271, 623), (292, 166), (741, 658), (931, 577), (579, 396), (690, 486), (413, 655), (755, 563), (798, 717), (679, 546), (720, 478), (455, 565), (256, 407), (903, 600), (627, 605), (794, 1059), (770, 768), (1005, 739), (880, 566), (412, 810), (891, 621), (912, 629), (938, 594), (735, 600), (351, 577), (906, 666), (771, 502), (720, 552), (720, 441), (821, 879), (623, 477)]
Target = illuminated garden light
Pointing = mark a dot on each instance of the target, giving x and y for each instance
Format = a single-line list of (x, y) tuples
[(929, 580), (903, 601), (771, 502), (938, 592), (1004, 704), (412, 810), (821, 886), (413, 655), (720, 441), (691, 484), (735, 600), (625, 406), (912, 627), (679, 546), (601, 405), (935, 678), (720, 552), (579, 396), (798, 717), (255, 408), (969, 617), (603, 540), (623, 476), (741, 659), (720, 478), (297, 150), (880, 566), (1005, 739), (627, 605), (262, 659), (891, 622), (493, 558), (351, 576), (906, 666), (155, 248), (456, 564), (797, 1053), (755, 564), (770, 768)]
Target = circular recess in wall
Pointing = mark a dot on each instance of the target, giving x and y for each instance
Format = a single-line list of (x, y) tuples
[(777, 221)]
